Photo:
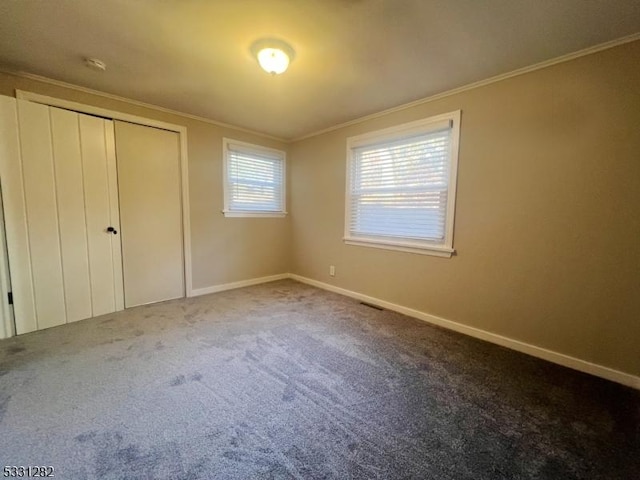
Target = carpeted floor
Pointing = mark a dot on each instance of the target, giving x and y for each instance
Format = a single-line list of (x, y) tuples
[(283, 380)]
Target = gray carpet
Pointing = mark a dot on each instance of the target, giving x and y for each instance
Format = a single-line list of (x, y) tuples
[(283, 380)]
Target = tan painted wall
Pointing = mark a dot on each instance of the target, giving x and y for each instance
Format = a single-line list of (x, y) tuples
[(548, 210), (224, 249), (547, 220)]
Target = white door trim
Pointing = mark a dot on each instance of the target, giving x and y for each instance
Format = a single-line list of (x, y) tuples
[(9, 151), (184, 168), (7, 327)]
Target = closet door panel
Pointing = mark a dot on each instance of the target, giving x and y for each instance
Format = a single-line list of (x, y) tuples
[(150, 213), (42, 215), (114, 213), (15, 217), (72, 221), (59, 178), (97, 208)]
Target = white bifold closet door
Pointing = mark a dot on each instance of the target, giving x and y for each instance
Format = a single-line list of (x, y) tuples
[(68, 178), (149, 180)]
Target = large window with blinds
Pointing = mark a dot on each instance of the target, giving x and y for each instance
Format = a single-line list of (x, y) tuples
[(401, 186), (254, 180)]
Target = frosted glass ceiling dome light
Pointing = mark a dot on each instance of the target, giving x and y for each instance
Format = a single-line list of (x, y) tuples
[(273, 60), (273, 55)]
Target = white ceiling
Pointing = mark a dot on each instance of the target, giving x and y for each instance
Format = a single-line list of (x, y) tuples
[(353, 57)]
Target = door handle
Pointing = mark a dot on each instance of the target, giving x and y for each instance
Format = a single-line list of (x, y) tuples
[(112, 230)]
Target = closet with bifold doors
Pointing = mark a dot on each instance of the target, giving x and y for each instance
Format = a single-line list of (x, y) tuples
[(93, 213)]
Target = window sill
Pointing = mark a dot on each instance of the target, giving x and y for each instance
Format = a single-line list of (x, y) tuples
[(435, 250), (254, 214)]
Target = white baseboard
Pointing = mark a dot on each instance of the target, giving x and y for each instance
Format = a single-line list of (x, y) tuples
[(242, 283), (549, 355), (539, 352)]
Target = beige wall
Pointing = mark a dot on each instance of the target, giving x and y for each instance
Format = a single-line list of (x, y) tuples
[(547, 220), (224, 249)]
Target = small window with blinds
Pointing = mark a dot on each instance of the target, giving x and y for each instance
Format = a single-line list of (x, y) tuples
[(254, 180), (401, 186)]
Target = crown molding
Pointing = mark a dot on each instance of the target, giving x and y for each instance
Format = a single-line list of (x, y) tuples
[(481, 83), (78, 88)]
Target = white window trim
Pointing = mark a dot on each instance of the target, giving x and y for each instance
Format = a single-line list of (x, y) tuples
[(252, 214), (442, 249), (226, 187)]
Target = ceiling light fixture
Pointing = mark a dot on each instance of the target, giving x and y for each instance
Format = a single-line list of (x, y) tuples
[(273, 55)]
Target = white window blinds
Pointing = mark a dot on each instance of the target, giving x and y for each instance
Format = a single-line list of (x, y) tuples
[(255, 179), (399, 186)]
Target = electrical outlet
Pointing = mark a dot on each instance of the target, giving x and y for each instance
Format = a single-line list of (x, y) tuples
[(332, 270)]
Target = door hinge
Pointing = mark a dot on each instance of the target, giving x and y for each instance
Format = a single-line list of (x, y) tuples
[(10, 298)]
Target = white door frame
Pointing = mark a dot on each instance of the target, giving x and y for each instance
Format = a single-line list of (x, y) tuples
[(7, 325), (184, 170), (9, 158)]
